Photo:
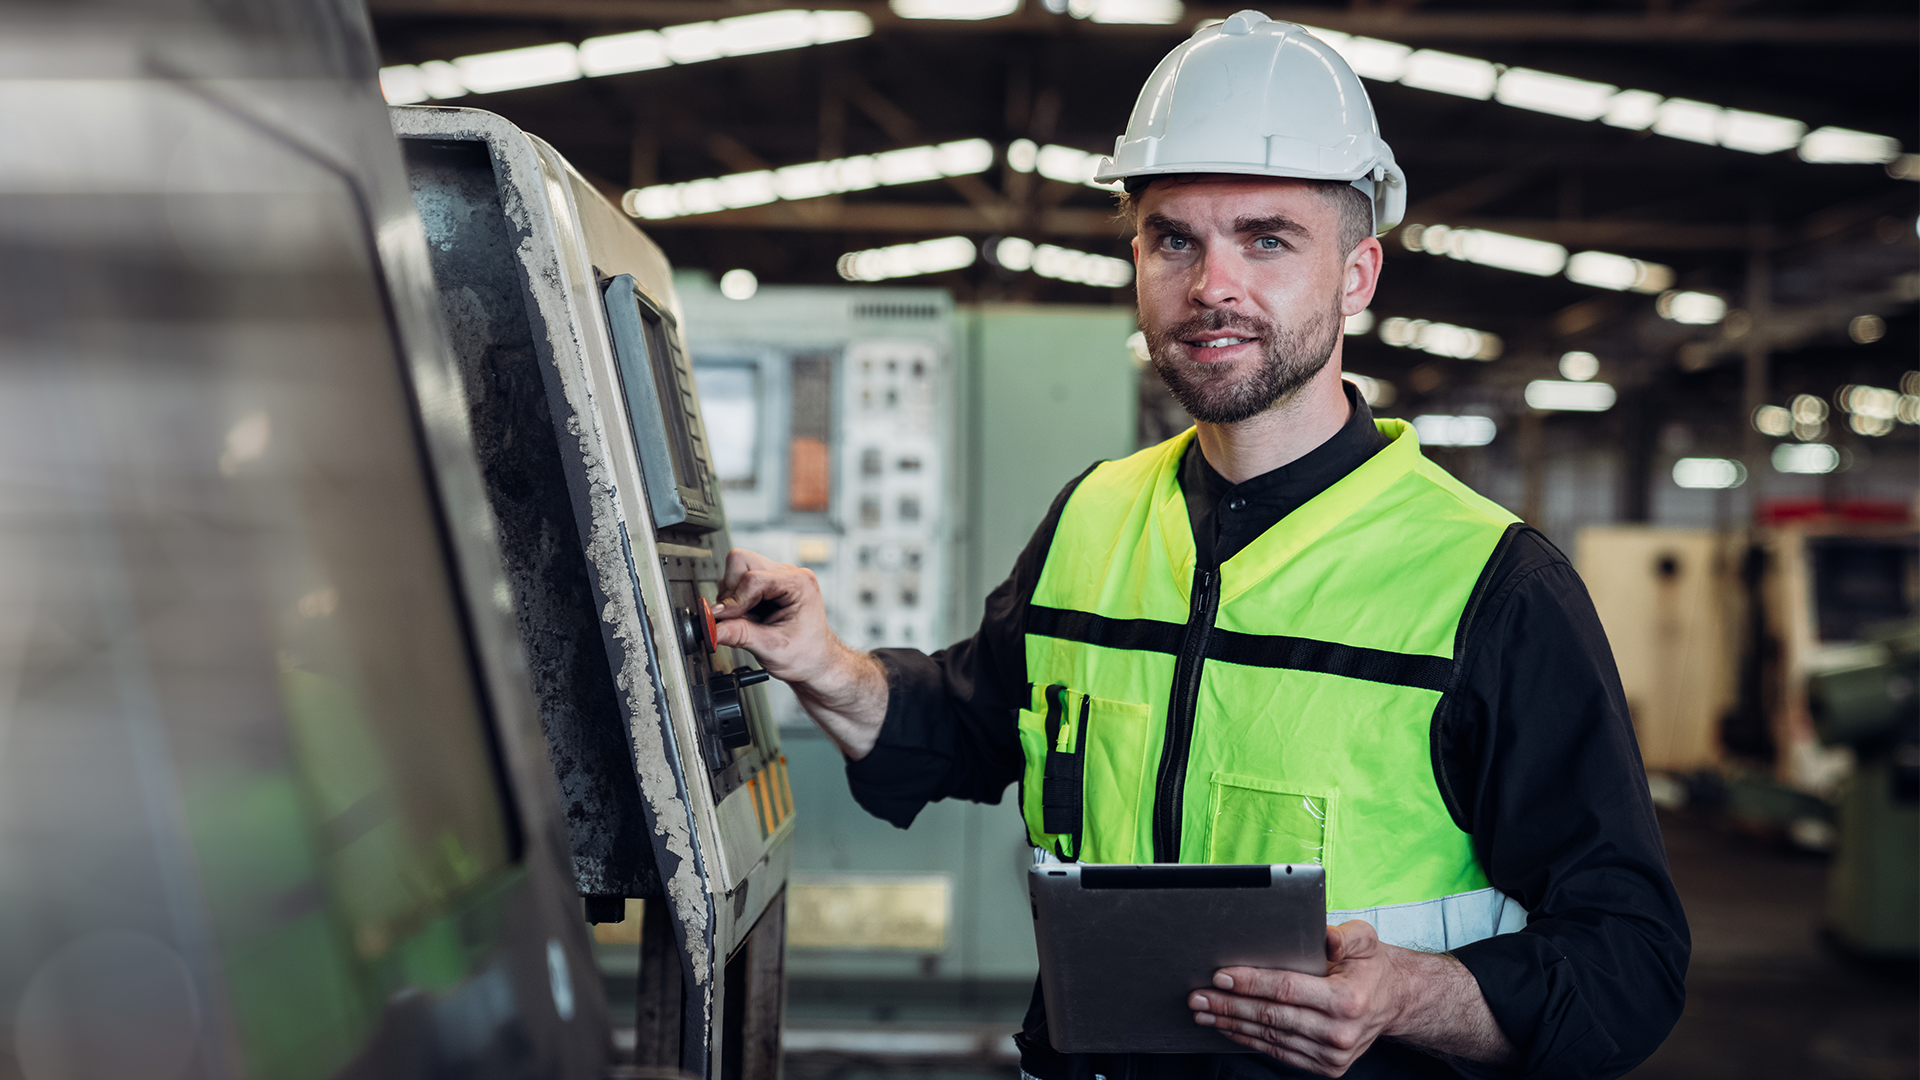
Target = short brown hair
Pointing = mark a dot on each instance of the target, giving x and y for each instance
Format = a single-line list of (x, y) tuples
[(1356, 210)]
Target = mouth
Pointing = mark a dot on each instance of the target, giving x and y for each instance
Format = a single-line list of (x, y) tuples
[(1217, 343)]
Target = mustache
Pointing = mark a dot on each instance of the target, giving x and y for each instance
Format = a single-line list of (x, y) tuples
[(1216, 320)]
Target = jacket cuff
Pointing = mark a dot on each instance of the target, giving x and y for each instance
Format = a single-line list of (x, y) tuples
[(1531, 989), (889, 782)]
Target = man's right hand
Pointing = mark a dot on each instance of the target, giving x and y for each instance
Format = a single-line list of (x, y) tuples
[(776, 612)]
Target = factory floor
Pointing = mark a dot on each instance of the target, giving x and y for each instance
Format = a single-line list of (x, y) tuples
[(1765, 996)]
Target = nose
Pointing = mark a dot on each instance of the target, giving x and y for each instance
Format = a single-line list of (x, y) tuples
[(1217, 279)]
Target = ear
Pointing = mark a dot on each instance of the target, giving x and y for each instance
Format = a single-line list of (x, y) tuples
[(1361, 275)]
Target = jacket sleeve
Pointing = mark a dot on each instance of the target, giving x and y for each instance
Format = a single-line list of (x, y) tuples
[(950, 730), (1539, 763)]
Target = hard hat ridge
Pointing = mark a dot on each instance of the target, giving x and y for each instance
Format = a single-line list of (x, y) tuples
[(1256, 97)]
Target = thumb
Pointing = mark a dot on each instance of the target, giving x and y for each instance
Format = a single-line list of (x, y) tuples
[(1351, 940)]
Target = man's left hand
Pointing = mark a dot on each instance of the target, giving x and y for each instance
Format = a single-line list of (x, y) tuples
[(1319, 1024)]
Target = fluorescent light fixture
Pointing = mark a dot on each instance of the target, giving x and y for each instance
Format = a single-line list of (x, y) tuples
[(1498, 250), (1561, 95), (1373, 391), (1908, 411), (908, 260), (1758, 133), (1070, 166), (1807, 409), (1368, 57), (1635, 110), (812, 180), (1839, 146), (1355, 325), (1504, 252), (1694, 121), (1691, 308), (1554, 395), (1772, 420), (1160, 12), (739, 284), (1874, 426), (1063, 264), (1022, 155), (617, 54), (953, 9), (1866, 329), (1579, 366), (1710, 473), (1439, 430), (1440, 339), (516, 69), (1604, 270), (1808, 458), (1014, 254), (1870, 401), (1446, 73)]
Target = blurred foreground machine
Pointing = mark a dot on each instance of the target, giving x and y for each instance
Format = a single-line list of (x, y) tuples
[(601, 475), (277, 800)]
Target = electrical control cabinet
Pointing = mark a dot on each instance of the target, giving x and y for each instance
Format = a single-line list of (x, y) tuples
[(603, 482), (841, 407)]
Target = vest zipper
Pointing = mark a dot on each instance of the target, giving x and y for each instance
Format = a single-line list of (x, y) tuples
[(1170, 787)]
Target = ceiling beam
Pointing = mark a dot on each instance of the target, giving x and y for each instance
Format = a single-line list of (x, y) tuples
[(1420, 26)]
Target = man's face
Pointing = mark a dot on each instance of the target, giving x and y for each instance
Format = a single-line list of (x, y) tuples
[(1241, 283)]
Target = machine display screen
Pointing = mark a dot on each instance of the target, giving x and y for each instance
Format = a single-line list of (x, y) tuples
[(662, 413)]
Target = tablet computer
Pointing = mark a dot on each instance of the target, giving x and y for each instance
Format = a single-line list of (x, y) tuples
[(1121, 947)]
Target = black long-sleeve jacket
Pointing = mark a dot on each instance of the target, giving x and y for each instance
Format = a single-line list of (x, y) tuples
[(1534, 756)]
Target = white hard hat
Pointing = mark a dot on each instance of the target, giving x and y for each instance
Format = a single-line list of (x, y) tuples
[(1260, 98)]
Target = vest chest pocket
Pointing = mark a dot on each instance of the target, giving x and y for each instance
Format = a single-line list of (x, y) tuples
[(1261, 821), (1085, 762)]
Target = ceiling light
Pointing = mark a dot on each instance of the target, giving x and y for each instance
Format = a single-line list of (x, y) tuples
[(1440, 339), (1839, 146), (1874, 426), (739, 284), (1377, 392), (1867, 329), (1070, 166), (1870, 401), (405, 84), (1694, 121), (1437, 430), (766, 31), (1368, 57), (617, 54), (1910, 383), (1553, 395), (1635, 110), (1758, 133), (1358, 324), (811, 180), (1772, 420), (1013, 253), (1497, 250), (1022, 155), (1711, 473), (908, 260), (1908, 409), (1560, 95), (1579, 366), (515, 69), (953, 9), (1809, 430), (1159, 12), (1807, 409), (1083, 267), (1691, 308), (1810, 458), (1604, 270), (1446, 73)]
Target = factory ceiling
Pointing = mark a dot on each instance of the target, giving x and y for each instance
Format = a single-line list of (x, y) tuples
[(1703, 174)]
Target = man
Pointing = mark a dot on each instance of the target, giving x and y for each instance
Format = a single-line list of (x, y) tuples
[(1285, 636)]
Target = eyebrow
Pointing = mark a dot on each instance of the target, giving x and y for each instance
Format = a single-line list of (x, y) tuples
[(1270, 223)]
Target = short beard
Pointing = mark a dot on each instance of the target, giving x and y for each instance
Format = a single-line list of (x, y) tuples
[(1293, 357)]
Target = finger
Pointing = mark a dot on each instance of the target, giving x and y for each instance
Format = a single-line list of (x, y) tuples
[(737, 633), (1293, 1051), (1354, 939), (754, 588), (1263, 985), (739, 562), (1253, 1016)]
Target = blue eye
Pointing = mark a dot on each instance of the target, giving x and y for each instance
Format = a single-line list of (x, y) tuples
[(1268, 243)]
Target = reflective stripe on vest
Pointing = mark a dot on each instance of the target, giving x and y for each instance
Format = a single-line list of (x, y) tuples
[(1308, 666)]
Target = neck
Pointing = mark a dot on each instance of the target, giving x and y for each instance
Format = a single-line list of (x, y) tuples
[(1285, 433)]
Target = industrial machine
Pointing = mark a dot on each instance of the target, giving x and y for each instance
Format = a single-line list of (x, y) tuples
[(602, 478), (277, 797)]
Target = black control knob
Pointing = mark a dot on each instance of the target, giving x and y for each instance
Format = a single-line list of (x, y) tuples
[(729, 712)]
